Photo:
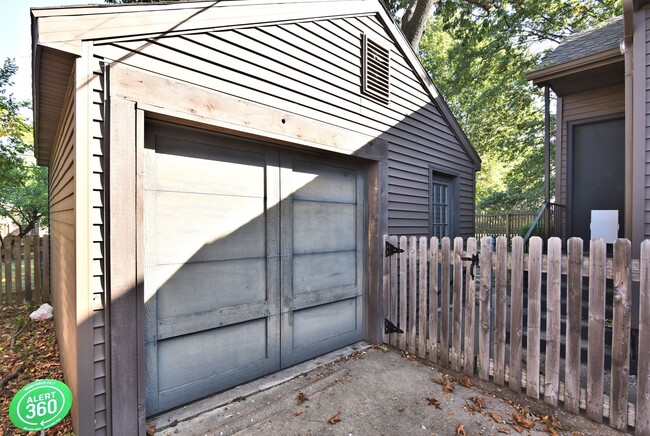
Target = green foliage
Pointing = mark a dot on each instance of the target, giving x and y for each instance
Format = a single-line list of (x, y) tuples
[(23, 185), (478, 53)]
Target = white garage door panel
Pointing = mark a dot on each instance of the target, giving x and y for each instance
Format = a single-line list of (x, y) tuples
[(316, 182), (202, 227), (333, 323), (323, 227), (193, 287), (314, 272), (233, 172), (253, 261)]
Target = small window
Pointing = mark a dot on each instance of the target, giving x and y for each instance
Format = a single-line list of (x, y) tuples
[(375, 71), (443, 207)]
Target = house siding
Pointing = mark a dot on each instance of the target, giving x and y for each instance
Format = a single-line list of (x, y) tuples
[(313, 69), (62, 241), (646, 142), (97, 202), (609, 100)]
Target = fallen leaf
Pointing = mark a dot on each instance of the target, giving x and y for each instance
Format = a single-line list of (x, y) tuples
[(151, 430), (440, 381), (434, 402), (504, 430), (516, 427), (447, 387), (497, 418), (479, 402), (336, 418), (465, 381), (302, 398), (401, 409), (460, 430), (297, 413), (523, 421), (550, 430)]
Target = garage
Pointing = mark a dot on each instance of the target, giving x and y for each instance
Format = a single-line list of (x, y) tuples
[(253, 260)]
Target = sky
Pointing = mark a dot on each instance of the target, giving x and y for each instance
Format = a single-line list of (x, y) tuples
[(15, 34)]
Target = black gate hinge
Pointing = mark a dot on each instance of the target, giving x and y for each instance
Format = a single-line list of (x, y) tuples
[(389, 327), (391, 249)]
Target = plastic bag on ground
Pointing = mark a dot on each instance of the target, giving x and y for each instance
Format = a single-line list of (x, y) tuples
[(42, 313)]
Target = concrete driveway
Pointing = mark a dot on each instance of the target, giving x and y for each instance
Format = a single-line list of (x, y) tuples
[(370, 390)]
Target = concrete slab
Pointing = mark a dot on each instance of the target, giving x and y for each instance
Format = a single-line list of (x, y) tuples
[(363, 390)]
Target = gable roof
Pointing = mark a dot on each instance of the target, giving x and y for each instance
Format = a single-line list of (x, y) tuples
[(603, 37), (60, 32), (588, 59)]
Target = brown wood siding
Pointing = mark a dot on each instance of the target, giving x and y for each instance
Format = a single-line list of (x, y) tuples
[(313, 69), (62, 242), (594, 103), (98, 282)]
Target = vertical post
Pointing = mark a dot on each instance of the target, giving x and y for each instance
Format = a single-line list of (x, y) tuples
[(547, 160)]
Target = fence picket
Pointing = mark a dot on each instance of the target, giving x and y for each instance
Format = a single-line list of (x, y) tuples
[(457, 311), (484, 308), (516, 312), (621, 334), (553, 320), (8, 276), (432, 344), (596, 335), (403, 291), (573, 326), (412, 294), (501, 279), (444, 303), (38, 286), (642, 423), (534, 316), (27, 253), (45, 295), (385, 286), (422, 304), (470, 306), (18, 271)]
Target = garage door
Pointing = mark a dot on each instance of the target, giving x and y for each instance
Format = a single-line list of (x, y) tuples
[(253, 261)]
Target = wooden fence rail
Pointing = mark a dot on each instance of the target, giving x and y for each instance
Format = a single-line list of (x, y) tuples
[(502, 313), (24, 270)]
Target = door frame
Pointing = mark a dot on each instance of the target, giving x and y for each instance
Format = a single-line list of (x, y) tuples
[(132, 96), (569, 163)]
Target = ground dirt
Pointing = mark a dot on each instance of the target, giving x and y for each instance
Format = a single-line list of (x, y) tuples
[(29, 352)]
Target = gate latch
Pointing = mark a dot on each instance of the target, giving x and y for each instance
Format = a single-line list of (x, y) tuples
[(391, 249), (389, 327), (474, 260)]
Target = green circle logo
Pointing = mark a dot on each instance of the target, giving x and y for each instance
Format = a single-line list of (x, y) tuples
[(40, 405)]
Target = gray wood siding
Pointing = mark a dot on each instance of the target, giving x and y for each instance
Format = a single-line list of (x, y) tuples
[(646, 217), (97, 252), (594, 103), (62, 242), (313, 69)]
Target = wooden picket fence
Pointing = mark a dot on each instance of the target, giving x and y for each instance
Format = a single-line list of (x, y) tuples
[(507, 224), (24, 270), (491, 327)]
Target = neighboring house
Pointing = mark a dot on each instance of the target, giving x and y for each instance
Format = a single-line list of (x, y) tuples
[(600, 77), (221, 175)]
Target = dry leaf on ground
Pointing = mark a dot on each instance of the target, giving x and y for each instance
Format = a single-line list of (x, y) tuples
[(479, 402), (336, 418), (302, 398), (460, 430), (504, 430), (465, 381), (434, 402), (523, 421)]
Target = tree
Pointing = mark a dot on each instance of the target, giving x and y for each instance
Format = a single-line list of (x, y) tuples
[(23, 185)]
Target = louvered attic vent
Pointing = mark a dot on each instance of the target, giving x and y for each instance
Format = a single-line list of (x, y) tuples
[(376, 71)]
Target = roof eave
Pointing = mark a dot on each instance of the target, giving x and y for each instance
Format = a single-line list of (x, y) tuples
[(543, 76)]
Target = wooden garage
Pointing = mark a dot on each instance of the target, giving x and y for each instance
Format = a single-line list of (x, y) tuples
[(221, 175)]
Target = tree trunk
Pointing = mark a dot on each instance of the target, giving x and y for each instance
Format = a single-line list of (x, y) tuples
[(415, 19)]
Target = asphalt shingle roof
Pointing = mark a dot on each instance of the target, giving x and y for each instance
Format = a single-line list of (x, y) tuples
[(603, 37)]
